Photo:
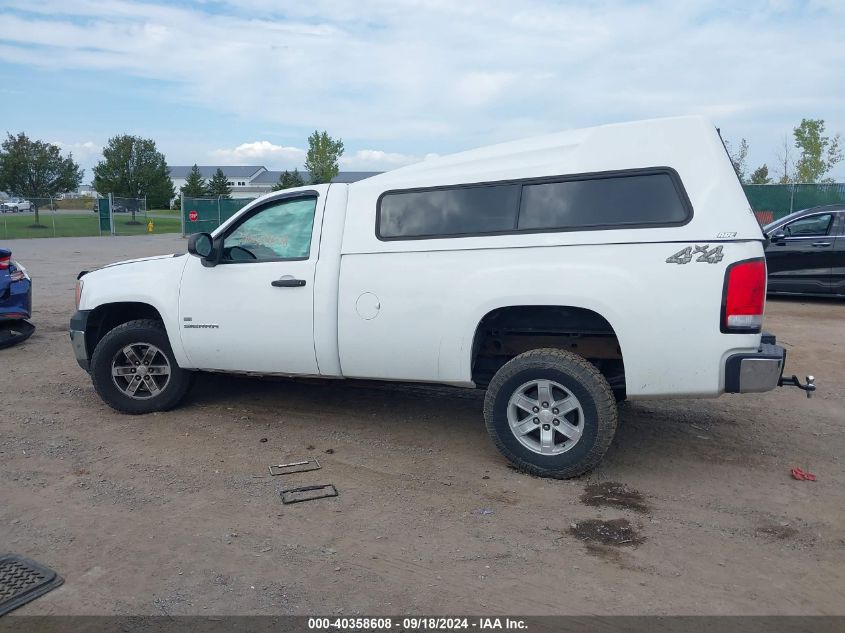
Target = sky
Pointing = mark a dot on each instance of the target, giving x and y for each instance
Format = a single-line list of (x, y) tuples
[(246, 81)]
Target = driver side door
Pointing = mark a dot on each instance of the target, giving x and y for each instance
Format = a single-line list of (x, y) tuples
[(254, 310)]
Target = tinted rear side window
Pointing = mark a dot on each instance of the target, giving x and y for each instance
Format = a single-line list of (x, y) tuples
[(463, 210), (638, 198), (602, 202)]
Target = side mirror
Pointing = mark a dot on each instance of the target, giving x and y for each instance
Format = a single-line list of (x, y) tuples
[(778, 237), (200, 245)]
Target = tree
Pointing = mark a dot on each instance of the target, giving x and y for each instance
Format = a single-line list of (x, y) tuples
[(785, 162), (818, 153), (322, 157), (760, 176), (35, 168), (218, 185), (738, 158), (195, 185), (132, 167), (288, 179)]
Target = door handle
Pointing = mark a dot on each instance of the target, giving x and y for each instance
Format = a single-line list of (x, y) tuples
[(820, 244), (288, 282)]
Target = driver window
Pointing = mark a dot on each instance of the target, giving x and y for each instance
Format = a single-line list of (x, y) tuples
[(808, 227), (280, 231)]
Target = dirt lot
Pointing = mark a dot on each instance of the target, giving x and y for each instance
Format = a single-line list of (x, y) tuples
[(172, 514)]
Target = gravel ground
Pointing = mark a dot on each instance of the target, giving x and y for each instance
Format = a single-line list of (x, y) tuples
[(693, 510)]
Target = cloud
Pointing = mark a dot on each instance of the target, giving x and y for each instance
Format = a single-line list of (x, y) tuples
[(376, 160), (281, 157), (260, 152), (414, 76), (479, 88), (86, 154), (82, 152)]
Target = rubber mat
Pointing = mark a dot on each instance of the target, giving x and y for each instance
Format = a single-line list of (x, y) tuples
[(22, 580)]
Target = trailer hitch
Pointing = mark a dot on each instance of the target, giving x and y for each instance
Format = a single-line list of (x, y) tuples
[(793, 381)]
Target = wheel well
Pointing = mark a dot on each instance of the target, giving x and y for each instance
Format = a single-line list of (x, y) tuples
[(509, 331), (108, 316)]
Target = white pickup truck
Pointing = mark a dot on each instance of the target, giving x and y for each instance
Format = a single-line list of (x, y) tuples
[(561, 273), (16, 205)]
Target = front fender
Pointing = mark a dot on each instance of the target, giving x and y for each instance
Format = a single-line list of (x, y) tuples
[(154, 282)]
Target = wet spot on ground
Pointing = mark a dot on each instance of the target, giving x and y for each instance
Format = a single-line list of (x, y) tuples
[(615, 495)]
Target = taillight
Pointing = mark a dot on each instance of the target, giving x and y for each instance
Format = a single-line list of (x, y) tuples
[(5, 260), (744, 297)]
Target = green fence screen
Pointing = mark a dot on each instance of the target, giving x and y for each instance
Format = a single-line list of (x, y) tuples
[(772, 202), (104, 214), (203, 215)]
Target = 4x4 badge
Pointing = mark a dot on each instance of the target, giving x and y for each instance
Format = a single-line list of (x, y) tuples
[(708, 255)]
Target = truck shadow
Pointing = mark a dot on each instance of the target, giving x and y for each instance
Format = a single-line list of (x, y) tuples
[(671, 431), (233, 389), (649, 432)]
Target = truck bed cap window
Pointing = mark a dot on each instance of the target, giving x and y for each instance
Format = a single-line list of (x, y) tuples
[(633, 198), (451, 211), (644, 199)]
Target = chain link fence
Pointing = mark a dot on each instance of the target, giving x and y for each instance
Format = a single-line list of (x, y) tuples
[(772, 202), (83, 216), (203, 215), (129, 216), (48, 217)]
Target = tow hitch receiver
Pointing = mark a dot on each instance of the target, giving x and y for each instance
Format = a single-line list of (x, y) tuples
[(809, 387)]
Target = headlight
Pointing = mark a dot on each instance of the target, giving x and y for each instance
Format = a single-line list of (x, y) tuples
[(79, 284)]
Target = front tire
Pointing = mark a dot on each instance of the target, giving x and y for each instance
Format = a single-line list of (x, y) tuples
[(551, 413), (134, 371)]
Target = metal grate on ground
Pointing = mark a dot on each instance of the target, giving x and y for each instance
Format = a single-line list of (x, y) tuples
[(23, 580)]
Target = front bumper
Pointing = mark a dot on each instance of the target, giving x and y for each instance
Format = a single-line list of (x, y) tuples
[(762, 370), (78, 325)]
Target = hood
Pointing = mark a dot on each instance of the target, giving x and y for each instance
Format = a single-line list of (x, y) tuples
[(142, 259)]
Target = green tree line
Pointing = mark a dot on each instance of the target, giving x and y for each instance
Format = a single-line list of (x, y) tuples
[(809, 158), (132, 167)]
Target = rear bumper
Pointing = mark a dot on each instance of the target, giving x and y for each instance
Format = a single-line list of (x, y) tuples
[(756, 372), (16, 302), (78, 325)]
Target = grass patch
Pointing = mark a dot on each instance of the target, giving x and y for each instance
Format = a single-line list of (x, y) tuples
[(125, 226), (64, 224)]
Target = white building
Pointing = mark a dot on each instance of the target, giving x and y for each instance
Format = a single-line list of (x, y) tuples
[(251, 181), (240, 177)]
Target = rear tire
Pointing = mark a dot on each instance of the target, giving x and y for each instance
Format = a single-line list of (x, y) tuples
[(134, 371), (551, 413)]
